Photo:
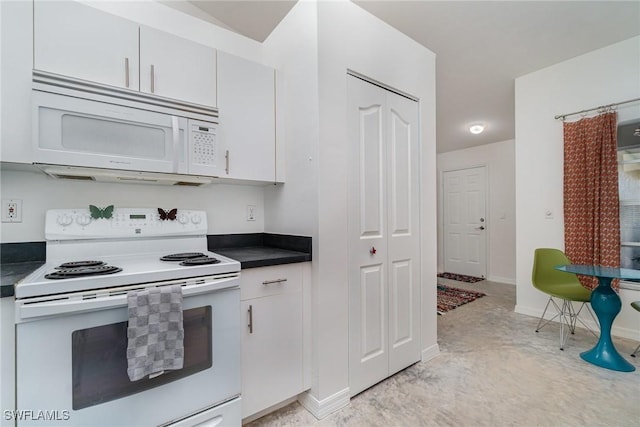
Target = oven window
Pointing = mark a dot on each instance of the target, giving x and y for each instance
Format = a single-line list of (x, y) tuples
[(99, 357)]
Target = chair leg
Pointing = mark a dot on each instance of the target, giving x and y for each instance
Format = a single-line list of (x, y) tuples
[(568, 319), (545, 312), (635, 351), (560, 312)]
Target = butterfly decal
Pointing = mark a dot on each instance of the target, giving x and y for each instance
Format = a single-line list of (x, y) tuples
[(97, 213), (171, 215)]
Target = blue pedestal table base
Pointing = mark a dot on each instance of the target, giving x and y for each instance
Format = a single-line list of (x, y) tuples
[(606, 304)]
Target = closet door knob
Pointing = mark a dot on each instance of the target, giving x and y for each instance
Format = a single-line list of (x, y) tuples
[(372, 251)]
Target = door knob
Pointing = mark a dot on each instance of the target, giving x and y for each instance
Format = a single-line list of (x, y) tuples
[(372, 251), (480, 228)]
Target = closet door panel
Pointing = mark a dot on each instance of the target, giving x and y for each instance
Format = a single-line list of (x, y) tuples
[(402, 143), (400, 188), (368, 287)]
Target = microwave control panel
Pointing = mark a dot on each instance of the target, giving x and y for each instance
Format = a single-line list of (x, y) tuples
[(202, 147)]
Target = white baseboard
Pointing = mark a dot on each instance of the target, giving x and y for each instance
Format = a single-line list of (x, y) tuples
[(615, 330), (322, 408), (430, 352), (498, 279)]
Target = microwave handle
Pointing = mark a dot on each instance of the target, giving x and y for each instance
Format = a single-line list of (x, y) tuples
[(175, 127)]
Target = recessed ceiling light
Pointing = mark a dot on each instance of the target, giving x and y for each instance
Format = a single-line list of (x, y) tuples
[(476, 129)]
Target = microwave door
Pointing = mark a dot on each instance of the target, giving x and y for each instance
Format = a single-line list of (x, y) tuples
[(80, 132)]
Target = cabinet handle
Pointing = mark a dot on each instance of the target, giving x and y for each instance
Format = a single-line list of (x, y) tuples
[(153, 78), (226, 160), (271, 282), (126, 72), (250, 325)]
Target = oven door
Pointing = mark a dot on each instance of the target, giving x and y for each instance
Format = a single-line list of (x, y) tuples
[(71, 364)]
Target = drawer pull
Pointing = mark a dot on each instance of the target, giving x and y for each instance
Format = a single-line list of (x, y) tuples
[(250, 325), (271, 282)]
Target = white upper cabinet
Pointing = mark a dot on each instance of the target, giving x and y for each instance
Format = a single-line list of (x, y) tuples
[(246, 103), (177, 68), (80, 41)]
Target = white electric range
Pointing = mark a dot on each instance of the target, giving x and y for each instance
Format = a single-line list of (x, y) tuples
[(71, 317)]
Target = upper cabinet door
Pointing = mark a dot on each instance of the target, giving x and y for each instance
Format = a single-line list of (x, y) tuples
[(176, 68), (77, 40), (246, 103)]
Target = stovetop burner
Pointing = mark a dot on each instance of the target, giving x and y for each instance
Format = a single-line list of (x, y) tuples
[(70, 273), (120, 251), (182, 256), (80, 264), (203, 260)]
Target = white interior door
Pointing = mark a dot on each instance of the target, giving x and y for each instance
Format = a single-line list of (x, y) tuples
[(384, 247), (465, 222), (403, 226)]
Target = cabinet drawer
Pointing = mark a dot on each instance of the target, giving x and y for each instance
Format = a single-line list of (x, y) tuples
[(273, 280)]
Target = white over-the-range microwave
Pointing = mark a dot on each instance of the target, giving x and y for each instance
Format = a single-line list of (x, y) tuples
[(76, 123)]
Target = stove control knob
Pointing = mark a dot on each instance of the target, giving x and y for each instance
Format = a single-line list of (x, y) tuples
[(183, 218), (64, 220), (83, 219), (196, 219)]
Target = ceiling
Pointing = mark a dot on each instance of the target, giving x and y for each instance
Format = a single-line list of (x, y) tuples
[(481, 47)]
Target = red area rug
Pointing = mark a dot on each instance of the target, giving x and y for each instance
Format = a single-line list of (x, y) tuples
[(460, 277), (450, 298)]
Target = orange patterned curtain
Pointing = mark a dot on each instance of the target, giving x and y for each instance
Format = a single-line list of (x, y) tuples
[(591, 204)]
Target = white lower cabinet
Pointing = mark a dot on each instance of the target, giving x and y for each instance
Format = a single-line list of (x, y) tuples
[(272, 338)]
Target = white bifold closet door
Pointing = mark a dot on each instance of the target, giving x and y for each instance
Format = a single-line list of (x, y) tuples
[(384, 229)]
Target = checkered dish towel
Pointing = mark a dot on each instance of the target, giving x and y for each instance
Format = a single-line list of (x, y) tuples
[(155, 331)]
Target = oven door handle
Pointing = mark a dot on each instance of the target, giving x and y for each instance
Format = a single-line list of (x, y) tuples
[(26, 310)]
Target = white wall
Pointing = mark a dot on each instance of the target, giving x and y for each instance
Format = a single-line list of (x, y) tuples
[(313, 47), (226, 205), (499, 161), (292, 49), (601, 77), (350, 38)]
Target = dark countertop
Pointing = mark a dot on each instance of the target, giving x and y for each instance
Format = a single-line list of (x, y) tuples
[(261, 249), (11, 273), (263, 256), (18, 260)]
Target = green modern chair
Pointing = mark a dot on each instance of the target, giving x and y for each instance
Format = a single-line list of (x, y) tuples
[(563, 286), (636, 305)]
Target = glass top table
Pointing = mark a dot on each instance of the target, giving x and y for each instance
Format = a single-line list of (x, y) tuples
[(606, 304)]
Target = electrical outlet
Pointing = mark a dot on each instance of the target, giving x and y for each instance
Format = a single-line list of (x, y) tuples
[(11, 210), (251, 212)]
